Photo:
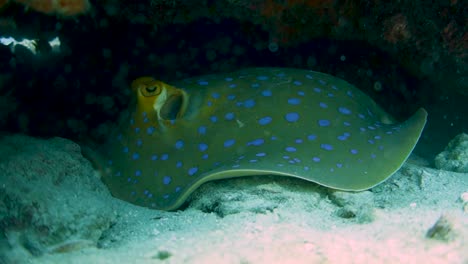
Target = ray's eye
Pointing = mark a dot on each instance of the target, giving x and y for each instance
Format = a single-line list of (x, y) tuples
[(151, 90)]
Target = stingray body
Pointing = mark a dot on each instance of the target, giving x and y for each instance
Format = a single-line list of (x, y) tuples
[(256, 121)]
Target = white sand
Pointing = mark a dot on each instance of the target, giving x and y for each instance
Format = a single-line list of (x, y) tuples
[(273, 220)]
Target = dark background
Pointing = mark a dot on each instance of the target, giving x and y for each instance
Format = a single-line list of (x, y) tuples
[(384, 50)]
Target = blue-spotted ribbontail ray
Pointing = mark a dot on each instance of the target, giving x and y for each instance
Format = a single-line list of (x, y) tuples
[(258, 121)]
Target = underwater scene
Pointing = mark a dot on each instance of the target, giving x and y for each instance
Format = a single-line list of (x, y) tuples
[(232, 131)]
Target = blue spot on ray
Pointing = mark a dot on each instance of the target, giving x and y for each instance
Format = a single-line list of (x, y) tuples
[(262, 78), (344, 110), (202, 82), (135, 156), (202, 146), (179, 144), (323, 105), (294, 101), (215, 95), (342, 137), (265, 120), (229, 116), (202, 130), (229, 143), (249, 103), (150, 130), (324, 123), (326, 146), (290, 149), (167, 180), (213, 119), (292, 117), (266, 93), (192, 171), (311, 137), (256, 142)]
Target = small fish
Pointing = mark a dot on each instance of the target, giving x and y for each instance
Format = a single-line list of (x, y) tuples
[(257, 121)]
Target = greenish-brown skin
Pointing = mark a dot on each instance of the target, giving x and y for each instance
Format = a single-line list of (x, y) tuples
[(257, 121)]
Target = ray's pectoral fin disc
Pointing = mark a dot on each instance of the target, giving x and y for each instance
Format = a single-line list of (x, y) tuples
[(289, 122)]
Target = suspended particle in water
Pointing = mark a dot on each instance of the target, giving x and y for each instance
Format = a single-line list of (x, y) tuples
[(273, 46), (378, 86)]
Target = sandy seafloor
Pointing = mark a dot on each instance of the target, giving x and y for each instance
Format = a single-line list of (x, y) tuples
[(56, 210)]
